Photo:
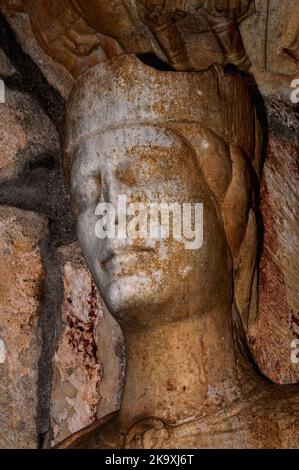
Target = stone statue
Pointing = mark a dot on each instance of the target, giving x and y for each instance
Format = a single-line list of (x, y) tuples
[(81, 33), (289, 43), (185, 34), (190, 381), (157, 137), (221, 16)]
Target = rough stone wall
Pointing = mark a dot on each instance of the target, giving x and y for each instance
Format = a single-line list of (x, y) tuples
[(21, 277), (277, 325), (53, 324), (61, 353)]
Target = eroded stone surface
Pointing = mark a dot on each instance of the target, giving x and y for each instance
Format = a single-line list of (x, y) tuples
[(26, 134), (12, 140), (278, 317), (21, 281), (78, 35), (57, 75), (6, 68), (168, 137), (277, 322), (81, 362), (271, 38)]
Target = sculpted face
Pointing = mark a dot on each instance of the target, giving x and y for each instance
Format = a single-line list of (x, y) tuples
[(140, 276)]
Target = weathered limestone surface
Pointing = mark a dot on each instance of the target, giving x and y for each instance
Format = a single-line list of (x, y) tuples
[(165, 137), (88, 361), (26, 134), (30, 179), (12, 141), (21, 282), (6, 68), (56, 74), (271, 38), (278, 316), (88, 364), (65, 38)]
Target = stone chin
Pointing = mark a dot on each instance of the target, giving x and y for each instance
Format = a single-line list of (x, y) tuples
[(134, 298), (129, 295)]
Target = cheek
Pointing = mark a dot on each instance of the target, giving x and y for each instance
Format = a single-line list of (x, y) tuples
[(168, 271), (85, 192), (86, 224), (180, 269), (174, 254)]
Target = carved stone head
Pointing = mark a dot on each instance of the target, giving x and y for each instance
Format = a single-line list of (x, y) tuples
[(133, 135)]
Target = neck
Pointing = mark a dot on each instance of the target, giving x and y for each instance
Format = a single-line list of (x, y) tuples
[(178, 371)]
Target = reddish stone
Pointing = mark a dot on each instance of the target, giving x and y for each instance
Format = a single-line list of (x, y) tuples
[(278, 317)]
